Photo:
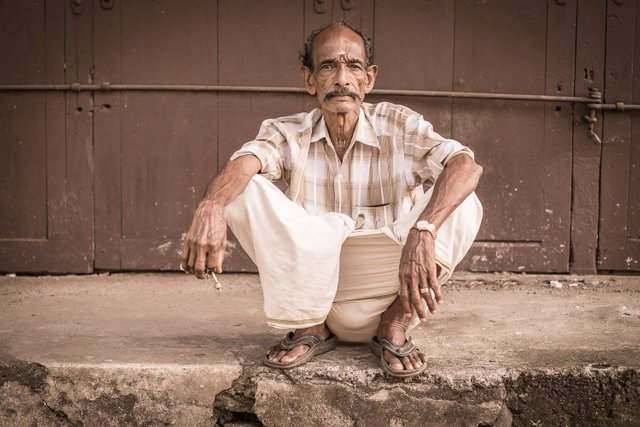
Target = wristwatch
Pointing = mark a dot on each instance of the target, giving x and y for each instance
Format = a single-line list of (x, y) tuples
[(424, 225)]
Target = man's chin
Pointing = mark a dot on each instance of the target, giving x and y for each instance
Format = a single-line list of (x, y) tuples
[(341, 105)]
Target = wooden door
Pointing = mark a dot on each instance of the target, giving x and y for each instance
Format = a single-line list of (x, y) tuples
[(46, 199), (619, 244)]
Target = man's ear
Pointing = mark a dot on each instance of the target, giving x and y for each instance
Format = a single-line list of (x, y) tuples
[(309, 81), (372, 72)]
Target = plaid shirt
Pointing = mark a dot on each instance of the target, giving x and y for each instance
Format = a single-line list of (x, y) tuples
[(393, 152)]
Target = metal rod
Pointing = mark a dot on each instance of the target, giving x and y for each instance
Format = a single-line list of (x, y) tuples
[(483, 95), (618, 106), (106, 87)]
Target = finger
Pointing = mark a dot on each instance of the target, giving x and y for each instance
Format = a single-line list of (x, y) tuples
[(200, 262), (184, 257), (435, 284), (416, 299), (211, 259), (431, 304), (404, 296), (425, 293), (219, 257), (192, 258)]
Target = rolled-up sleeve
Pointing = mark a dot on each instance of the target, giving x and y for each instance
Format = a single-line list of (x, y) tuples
[(429, 152), (268, 147)]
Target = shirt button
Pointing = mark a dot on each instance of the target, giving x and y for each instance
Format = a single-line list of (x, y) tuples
[(339, 177)]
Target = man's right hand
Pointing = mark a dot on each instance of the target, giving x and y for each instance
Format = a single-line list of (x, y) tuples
[(206, 240)]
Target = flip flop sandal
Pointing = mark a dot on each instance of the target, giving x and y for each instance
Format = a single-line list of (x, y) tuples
[(378, 345), (317, 345)]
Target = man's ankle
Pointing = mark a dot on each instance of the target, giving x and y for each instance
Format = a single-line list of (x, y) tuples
[(320, 329), (395, 313)]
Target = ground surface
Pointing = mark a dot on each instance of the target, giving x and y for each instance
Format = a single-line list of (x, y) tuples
[(157, 348)]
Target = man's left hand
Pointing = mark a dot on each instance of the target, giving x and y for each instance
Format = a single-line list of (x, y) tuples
[(418, 274)]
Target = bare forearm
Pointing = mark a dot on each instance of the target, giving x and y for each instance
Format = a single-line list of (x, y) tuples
[(459, 179), (231, 181)]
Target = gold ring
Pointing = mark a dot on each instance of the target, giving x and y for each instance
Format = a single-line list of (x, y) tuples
[(424, 291)]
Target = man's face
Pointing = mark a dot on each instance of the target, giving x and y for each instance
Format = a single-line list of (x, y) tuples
[(340, 78)]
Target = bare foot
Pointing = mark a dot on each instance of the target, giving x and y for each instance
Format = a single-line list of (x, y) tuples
[(393, 326), (275, 354)]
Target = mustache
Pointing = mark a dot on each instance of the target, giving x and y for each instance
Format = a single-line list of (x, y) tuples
[(342, 91)]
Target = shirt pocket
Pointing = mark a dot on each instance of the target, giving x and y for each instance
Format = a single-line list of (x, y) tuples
[(373, 217)]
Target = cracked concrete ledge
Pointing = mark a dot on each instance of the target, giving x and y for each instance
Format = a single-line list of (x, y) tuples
[(162, 349), (313, 395), (111, 394)]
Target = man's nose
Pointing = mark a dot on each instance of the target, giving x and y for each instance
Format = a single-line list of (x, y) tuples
[(341, 78)]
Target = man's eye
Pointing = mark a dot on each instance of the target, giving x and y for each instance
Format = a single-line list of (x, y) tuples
[(327, 66), (355, 66)]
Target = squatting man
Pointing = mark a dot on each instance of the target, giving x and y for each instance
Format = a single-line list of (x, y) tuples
[(355, 250)]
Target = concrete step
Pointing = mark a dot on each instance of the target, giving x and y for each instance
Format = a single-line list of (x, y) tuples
[(166, 349)]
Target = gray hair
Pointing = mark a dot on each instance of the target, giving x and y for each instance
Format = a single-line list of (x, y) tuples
[(306, 56)]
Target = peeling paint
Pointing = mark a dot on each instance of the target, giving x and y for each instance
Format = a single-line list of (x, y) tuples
[(163, 248)]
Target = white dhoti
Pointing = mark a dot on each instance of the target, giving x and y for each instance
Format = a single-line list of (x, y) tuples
[(318, 268)]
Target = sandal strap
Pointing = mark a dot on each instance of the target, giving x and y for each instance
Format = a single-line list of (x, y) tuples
[(288, 343), (399, 351)]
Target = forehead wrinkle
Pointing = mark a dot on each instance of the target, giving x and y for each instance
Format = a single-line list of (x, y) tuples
[(342, 42)]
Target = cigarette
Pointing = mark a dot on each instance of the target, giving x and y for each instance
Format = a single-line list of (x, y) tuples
[(216, 282)]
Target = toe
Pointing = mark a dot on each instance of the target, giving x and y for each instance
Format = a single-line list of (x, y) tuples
[(406, 363), (270, 351), (277, 356), (394, 363), (294, 354), (415, 360)]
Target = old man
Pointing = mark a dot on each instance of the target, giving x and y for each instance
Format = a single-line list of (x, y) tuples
[(356, 250)]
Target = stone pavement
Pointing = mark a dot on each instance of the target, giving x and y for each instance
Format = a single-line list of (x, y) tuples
[(167, 349)]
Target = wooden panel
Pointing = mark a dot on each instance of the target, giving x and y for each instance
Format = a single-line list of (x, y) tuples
[(167, 41), (619, 247), (23, 122), (46, 222), (525, 147), (259, 42), (590, 43), (22, 30), (155, 152), (23, 152), (414, 44)]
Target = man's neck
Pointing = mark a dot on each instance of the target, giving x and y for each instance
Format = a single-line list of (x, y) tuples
[(341, 127)]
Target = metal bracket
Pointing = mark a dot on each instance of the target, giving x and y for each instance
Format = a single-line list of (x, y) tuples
[(77, 7), (107, 4), (347, 4), (319, 6), (591, 118)]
